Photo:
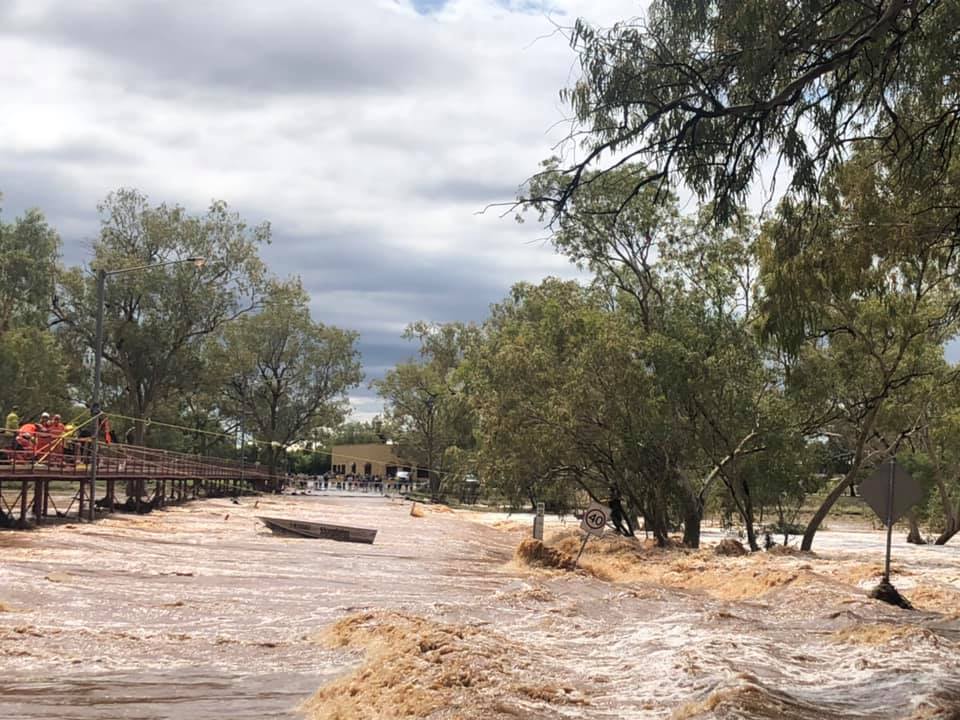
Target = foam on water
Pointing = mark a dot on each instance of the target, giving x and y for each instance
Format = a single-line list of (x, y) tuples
[(199, 612)]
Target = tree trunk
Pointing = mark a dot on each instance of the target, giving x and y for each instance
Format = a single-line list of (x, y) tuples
[(951, 512), (273, 457), (139, 431), (692, 520), (818, 517), (740, 494), (660, 532), (748, 520), (619, 518), (951, 529), (657, 520), (914, 537), (824, 509)]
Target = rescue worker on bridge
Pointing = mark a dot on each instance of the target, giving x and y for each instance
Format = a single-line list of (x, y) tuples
[(56, 429), (10, 427), (43, 434), (26, 442)]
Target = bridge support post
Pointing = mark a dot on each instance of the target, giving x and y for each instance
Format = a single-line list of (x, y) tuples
[(23, 503), (38, 500)]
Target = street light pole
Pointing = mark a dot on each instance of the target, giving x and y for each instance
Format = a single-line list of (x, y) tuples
[(243, 437), (98, 365), (95, 405)]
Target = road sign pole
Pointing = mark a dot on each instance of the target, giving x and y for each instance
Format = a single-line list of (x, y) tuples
[(582, 546), (886, 567)]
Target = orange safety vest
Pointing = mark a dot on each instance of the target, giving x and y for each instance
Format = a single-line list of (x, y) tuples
[(44, 437), (56, 430), (28, 443)]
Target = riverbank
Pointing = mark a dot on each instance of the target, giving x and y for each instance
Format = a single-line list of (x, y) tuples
[(199, 612)]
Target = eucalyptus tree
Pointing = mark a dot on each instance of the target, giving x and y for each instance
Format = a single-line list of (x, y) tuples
[(562, 405), (32, 364), (349, 433), (157, 318), (33, 373), (29, 258), (709, 93), (863, 295), (688, 288), (285, 374), (935, 448), (425, 409)]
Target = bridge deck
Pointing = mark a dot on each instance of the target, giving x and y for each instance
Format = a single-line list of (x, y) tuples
[(152, 478)]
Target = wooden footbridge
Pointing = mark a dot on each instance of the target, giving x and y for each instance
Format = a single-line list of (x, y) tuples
[(35, 488)]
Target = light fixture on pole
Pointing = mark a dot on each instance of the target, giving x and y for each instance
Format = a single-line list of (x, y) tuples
[(95, 411)]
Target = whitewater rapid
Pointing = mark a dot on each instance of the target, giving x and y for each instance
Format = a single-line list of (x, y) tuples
[(199, 612)]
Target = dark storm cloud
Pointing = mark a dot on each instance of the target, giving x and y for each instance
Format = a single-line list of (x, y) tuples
[(42, 185), (219, 46), (356, 282), (359, 261)]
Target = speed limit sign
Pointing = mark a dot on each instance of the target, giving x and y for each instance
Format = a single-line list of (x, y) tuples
[(595, 519)]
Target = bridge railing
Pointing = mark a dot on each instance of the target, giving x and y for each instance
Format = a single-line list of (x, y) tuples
[(70, 458)]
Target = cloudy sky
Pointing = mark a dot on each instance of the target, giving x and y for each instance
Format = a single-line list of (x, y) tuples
[(369, 133)]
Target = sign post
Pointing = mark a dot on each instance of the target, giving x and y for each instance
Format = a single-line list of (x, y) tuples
[(890, 492), (594, 522), (889, 519), (538, 522)]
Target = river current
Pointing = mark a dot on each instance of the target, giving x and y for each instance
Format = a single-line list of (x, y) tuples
[(199, 612)]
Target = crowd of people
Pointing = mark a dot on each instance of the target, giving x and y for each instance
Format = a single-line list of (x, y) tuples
[(47, 439)]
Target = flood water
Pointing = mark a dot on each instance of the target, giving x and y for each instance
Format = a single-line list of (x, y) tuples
[(200, 612)]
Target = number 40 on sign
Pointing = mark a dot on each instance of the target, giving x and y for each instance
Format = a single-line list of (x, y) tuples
[(594, 522)]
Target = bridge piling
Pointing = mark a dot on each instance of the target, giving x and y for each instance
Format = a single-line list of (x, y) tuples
[(23, 503), (39, 492)]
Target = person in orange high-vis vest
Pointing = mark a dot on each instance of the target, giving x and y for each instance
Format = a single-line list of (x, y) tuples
[(43, 434), (56, 430), (26, 447)]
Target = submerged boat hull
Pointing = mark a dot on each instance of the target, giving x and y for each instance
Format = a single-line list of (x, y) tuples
[(320, 531)]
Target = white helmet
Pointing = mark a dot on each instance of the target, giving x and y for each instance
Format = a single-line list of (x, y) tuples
[(44, 415)]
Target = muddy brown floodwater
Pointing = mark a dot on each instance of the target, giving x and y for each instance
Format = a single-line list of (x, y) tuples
[(199, 612)]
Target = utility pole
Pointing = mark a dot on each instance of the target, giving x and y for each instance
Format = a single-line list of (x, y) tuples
[(95, 403)]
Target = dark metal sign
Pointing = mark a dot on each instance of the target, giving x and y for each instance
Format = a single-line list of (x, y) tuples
[(891, 491)]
